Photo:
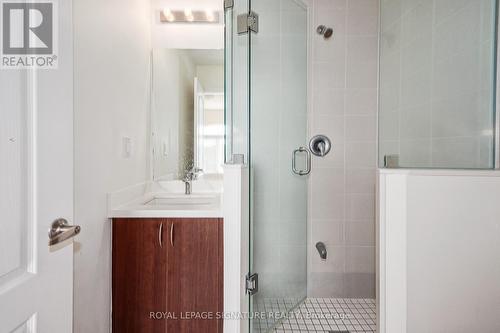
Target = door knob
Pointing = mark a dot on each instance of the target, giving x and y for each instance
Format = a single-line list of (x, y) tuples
[(60, 231)]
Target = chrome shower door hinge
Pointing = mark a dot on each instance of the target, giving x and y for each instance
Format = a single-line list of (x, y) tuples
[(228, 4), (248, 22), (252, 284), (391, 161)]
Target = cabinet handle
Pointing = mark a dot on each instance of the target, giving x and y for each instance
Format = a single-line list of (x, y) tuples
[(172, 234), (160, 235)]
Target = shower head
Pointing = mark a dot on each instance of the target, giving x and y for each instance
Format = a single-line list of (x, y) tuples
[(326, 32)]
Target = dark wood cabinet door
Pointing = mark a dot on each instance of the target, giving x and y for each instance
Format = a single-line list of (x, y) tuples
[(139, 275), (195, 275)]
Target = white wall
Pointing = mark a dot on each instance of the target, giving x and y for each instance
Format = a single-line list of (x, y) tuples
[(186, 36), (236, 249), (439, 256), (342, 185), (112, 45)]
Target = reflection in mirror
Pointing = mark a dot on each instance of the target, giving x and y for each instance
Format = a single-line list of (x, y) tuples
[(187, 112)]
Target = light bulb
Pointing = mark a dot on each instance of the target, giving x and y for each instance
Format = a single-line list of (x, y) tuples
[(210, 15), (169, 16), (189, 14)]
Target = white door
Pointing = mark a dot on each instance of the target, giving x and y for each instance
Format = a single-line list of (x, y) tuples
[(36, 188)]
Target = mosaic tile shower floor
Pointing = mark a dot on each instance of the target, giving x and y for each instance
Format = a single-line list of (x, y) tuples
[(319, 315)]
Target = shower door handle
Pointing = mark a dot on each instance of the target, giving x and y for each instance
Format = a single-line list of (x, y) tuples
[(307, 170)]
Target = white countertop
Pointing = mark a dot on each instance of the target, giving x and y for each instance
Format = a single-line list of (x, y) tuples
[(138, 212), (166, 199)]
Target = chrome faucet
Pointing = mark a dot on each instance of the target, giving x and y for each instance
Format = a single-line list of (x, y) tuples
[(191, 175)]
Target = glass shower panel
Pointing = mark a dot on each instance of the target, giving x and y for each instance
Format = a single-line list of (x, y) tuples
[(437, 84), (236, 74), (278, 126), (228, 84)]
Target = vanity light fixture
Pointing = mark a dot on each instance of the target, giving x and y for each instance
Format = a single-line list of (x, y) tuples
[(188, 15)]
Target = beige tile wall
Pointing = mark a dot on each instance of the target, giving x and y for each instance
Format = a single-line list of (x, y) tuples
[(342, 185)]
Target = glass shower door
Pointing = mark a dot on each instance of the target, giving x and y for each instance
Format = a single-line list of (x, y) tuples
[(278, 160)]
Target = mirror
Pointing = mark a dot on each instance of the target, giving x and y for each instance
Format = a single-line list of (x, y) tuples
[(187, 112)]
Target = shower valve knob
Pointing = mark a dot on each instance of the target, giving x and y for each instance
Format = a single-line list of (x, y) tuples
[(320, 145)]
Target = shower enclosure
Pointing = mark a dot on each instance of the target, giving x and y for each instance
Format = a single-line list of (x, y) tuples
[(266, 122), (438, 230), (436, 109)]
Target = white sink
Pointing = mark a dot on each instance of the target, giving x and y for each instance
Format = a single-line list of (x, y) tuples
[(183, 201), (168, 200)]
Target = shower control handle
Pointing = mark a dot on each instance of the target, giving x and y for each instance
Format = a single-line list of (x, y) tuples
[(320, 145), (307, 170)]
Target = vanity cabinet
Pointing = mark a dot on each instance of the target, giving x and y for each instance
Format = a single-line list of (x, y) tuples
[(169, 267)]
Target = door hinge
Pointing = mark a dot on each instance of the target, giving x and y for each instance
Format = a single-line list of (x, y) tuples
[(248, 22), (252, 283), (228, 4)]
